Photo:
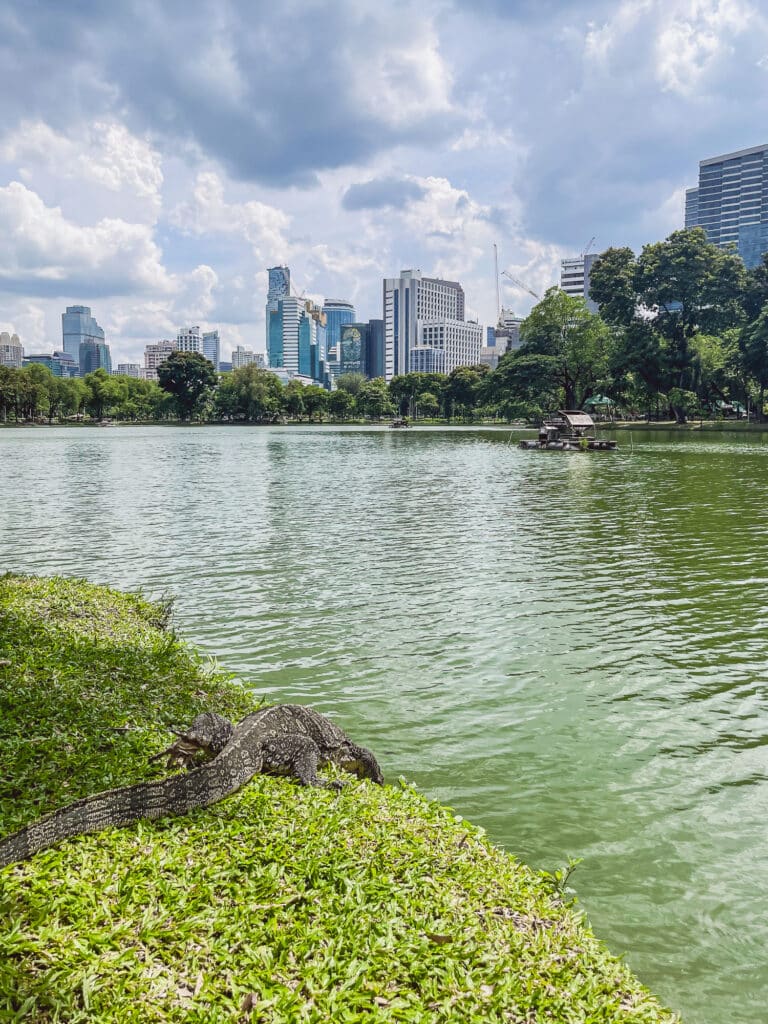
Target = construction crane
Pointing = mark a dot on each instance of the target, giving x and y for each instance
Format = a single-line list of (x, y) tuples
[(589, 245), (521, 284), (496, 281)]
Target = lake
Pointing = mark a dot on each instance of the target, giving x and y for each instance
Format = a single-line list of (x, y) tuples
[(570, 649)]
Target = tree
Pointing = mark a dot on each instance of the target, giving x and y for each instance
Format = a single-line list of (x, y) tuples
[(250, 393), (463, 388), (340, 404), (373, 399), (574, 341), (351, 383), (102, 392), (674, 291), (315, 401), (753, 348), (190, 378), (429, 404), (293, 399)]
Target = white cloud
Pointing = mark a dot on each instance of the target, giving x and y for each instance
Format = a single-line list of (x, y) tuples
[(264, 227), (42, 247), (403, 77), (104, 153)]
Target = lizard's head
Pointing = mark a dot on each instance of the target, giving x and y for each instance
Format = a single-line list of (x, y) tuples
[(209, 732)]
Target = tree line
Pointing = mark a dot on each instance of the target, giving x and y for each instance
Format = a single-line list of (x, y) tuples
[(682, 330)]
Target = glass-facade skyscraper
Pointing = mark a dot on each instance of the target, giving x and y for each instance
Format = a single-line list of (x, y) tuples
[(83, 339), (731, 202), (279, 287), (337, 313)]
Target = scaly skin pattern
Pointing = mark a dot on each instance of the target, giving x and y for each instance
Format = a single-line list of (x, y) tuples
[(285, 739)]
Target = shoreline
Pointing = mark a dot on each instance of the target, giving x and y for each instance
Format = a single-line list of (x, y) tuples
[(286, 902)]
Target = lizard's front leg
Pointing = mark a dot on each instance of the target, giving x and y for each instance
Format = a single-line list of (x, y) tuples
[(298, 756)]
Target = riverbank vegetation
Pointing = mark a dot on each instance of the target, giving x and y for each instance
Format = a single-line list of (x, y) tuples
[(279, 904), (682, 332)]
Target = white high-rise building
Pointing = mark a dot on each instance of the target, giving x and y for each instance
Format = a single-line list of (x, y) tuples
[(11, 352), (459, 340), (574, 277), (410, 300), (189, 339), (154, 355)]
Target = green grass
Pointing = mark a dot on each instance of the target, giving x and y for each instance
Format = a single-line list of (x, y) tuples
[(280, 904)]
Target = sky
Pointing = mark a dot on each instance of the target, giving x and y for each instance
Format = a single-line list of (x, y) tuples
[(156, 156)]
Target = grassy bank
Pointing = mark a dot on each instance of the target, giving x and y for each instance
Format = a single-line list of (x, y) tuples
[(277, 905)]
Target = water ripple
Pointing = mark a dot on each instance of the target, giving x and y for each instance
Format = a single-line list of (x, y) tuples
[(569, 650)]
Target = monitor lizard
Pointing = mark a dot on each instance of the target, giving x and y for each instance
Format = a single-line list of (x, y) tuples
[(285, 739)]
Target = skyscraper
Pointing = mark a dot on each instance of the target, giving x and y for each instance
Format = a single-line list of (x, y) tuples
[(212, 347), (410, 300), (337, 313), (279, 287), (731, 202), (189, 339), (79, 329), (297, 338), (574, 277)]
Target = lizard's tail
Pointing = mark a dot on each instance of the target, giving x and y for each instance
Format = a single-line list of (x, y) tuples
[(116, 807)]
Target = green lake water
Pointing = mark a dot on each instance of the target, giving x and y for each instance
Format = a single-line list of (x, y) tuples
[(570, 649)]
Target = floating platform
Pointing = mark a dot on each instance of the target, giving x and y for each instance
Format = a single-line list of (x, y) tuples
[(569, 430)]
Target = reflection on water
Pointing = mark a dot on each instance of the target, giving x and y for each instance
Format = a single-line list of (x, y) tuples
[(568, 648)]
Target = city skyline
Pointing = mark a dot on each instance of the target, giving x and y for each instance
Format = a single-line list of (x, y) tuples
[(158, 199)]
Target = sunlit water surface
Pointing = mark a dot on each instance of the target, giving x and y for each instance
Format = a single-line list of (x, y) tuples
[(569, 649)]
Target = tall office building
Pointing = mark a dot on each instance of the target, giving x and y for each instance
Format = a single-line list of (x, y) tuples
[(297, 339), (212, 347), (374, 349), (410, 300), (11, 352), (731, 202), (574, 277), (189, 339), (279, 287), (337, 313), (84, 340)]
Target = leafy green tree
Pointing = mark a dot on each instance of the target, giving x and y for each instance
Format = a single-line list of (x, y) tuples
[(73, 396), (293, 399), (340, 404), (574, 341), (522, 386), (462, 390), (190, 378), (8, 385), (315, 401), (103, 391), (37, 384), (674, 291), (250, 393), (428, 405), (351, 383), (753, 349), (373, 399)]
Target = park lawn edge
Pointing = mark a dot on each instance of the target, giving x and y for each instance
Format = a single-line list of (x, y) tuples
[(278, 904)]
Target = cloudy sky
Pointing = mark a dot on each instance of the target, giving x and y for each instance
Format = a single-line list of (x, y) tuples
[(156, 155)]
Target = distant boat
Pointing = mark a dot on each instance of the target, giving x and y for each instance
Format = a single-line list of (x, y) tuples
[(569, 430)]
